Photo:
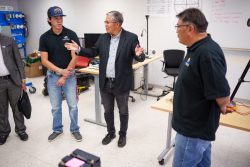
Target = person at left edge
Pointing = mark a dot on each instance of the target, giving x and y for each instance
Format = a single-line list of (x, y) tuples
[(12, 82), (60, 74)]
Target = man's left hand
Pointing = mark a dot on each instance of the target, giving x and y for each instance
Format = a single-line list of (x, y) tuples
[(138, 50)]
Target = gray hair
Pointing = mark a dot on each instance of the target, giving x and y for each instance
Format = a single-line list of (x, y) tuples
[(194, 16), (116, 16)]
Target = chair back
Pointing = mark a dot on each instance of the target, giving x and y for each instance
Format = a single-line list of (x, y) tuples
[(172, 61), (173, 58), (82, 61)]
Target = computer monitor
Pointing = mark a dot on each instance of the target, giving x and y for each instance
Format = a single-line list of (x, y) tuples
[(90, 39)]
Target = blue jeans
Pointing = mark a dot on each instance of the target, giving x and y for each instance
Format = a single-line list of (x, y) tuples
[(191, 152), (55, 94)]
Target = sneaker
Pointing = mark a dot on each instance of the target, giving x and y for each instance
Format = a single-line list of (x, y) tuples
[(108, 138), (54, 135), (23, 136), (77, 136)]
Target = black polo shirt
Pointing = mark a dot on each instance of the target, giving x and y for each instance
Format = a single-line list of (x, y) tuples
[(200, 81), (54, 45)]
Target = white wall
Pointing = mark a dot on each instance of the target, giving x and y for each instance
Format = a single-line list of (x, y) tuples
[(236, 63), (84, 16)]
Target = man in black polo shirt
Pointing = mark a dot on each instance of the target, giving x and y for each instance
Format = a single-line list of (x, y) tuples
[(61, 76), (201, 92)]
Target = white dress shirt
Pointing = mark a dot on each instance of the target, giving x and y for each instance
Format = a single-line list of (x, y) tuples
[(114, 42), (3, 69)]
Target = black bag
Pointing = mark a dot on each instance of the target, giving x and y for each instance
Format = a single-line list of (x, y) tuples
[(24, 105)]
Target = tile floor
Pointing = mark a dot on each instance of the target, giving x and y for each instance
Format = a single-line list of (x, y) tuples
[(146, 137)]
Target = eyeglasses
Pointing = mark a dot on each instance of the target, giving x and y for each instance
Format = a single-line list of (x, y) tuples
[(109, 22), (182, 25)]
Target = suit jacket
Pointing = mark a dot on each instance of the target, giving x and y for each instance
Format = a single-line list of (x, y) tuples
[(12, 59), (124, 59)]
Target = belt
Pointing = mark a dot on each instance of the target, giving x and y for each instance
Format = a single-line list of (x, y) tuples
[(110, 79), (5, 77)]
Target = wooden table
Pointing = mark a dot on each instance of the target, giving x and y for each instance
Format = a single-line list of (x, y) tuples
[(232, 120), (95, 71)]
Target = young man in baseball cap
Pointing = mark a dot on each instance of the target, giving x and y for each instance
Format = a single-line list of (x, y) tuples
[(60, 63)]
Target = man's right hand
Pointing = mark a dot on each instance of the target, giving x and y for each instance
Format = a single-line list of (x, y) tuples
[(72, 46), (61, 81)]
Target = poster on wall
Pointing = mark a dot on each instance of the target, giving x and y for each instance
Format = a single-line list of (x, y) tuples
[(170, 7), (159, 7)]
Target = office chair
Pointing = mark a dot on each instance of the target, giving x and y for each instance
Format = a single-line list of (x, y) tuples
[(132, 98), (82, 62), (82, 79), (171, 63)]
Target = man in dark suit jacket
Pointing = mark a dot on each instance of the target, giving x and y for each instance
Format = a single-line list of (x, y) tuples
[(12, 81), (117, 48)]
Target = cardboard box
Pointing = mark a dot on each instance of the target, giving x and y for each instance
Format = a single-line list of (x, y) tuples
[(34, 70)]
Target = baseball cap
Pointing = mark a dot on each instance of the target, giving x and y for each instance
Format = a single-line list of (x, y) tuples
[(55, 11)]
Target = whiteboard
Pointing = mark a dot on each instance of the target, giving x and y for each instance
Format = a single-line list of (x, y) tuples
[(227, 19), (227, 22)]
